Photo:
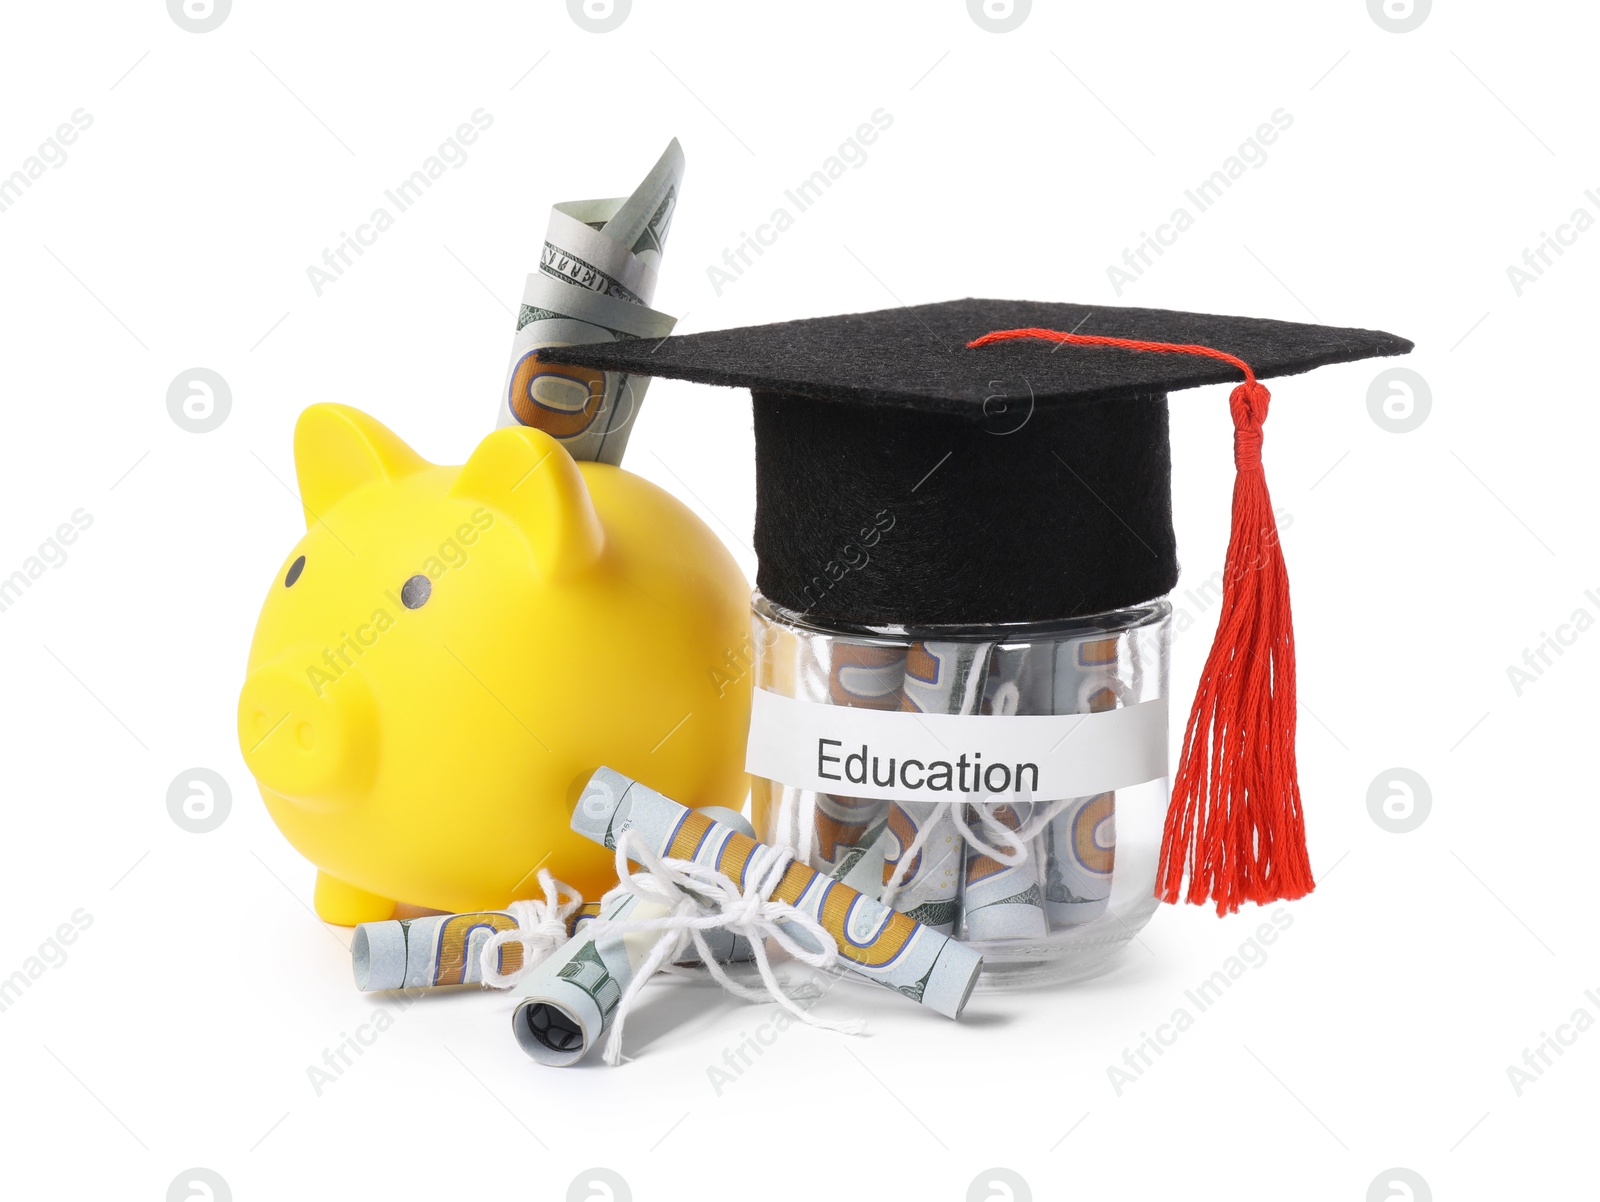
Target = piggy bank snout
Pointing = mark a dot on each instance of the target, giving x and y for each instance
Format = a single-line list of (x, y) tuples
[(306, 737)]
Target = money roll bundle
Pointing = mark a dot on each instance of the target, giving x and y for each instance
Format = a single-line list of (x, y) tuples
[(873, 941), (1057, 878), (1042, 880), (447, 949)]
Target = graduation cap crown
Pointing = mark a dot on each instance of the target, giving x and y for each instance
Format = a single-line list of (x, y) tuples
[(988, 462)]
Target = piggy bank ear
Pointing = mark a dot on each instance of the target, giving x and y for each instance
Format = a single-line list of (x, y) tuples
[(337, 449), (527, 474)]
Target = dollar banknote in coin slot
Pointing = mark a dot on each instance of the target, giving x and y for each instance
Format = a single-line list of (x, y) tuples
[(561, 401), (595, 283)]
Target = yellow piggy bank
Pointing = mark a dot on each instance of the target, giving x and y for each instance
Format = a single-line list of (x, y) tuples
[(449, 653)]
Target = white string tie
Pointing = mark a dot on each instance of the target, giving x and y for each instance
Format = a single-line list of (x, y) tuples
[(998, 841), (541, 928), (697, 898), (1015, 842)]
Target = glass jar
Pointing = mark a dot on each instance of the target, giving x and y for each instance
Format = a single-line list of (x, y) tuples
[(1004, 784)]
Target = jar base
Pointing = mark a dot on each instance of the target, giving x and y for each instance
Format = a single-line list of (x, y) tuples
[(1074, 955)]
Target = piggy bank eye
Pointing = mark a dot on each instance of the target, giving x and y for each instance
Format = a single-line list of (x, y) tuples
[(414, 593), (298, 566)]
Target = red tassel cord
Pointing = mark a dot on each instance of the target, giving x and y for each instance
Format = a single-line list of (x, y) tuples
[(1235, 825)]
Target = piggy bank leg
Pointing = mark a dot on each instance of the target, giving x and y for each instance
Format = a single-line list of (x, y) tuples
[(345, 905)]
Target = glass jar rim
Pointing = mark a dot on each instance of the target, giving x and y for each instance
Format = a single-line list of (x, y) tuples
[(1130, 617)]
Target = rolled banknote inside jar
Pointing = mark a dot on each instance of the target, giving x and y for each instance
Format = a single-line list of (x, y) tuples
[(848, 831), (1002, 896), (1080, 853), (1002, 899), (835, 833), (924, 880), (849, 838), (1081, 841), (872, 940)]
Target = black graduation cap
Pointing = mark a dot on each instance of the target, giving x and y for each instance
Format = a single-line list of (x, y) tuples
[(986, 462), (903, 477)]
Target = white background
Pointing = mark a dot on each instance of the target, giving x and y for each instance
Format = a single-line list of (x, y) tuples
[(1419, 165)]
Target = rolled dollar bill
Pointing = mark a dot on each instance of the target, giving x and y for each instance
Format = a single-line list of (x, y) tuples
[(641, 221), (1081, 841), (874, 941), (726, 947), (1080, 852), (929, 888), (595, 283), (569, 1000), (837, 834), (586, 914), (846, 832), (1001, 900), (1086, 680), (847, 829), (940, 678), (428, 952)]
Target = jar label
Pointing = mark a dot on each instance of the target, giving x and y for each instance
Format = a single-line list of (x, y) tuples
[(894, 755)]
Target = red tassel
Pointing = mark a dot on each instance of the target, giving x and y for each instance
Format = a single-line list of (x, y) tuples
[(1235, 823)]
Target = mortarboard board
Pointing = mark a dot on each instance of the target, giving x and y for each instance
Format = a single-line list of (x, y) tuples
[(1025, 480), (985, 462)]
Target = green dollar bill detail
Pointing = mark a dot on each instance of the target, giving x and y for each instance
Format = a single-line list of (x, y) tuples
[(934, 913), (580, 273), (916, 989), (654, 236), (529, 314), (1057, 889), (1031, 896), (589, 973), (862, 847)]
